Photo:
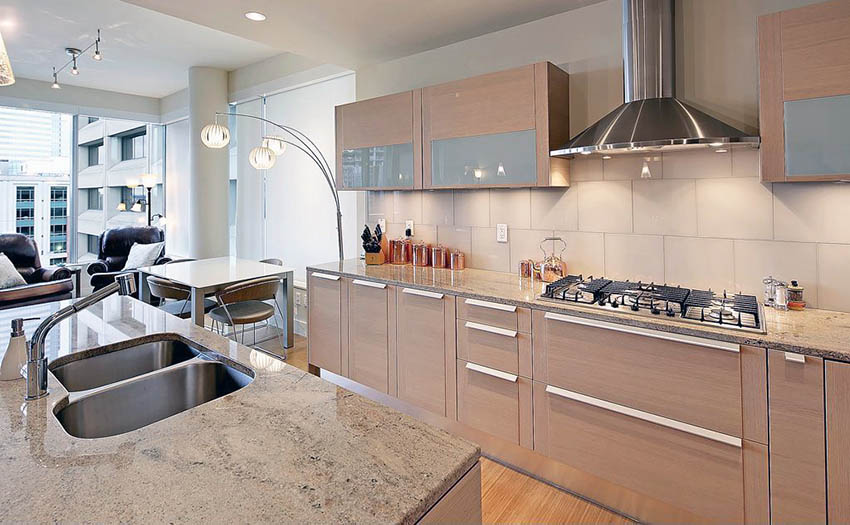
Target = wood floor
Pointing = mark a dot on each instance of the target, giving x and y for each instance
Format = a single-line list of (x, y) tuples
[(507, 496)]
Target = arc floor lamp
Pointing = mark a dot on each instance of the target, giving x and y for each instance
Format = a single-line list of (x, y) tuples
[(264, 156)]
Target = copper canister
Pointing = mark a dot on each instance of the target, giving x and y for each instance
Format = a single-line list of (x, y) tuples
[(438, 257), (457, 260), (398, 254), (421, 253), (408, 249), (526, 268)]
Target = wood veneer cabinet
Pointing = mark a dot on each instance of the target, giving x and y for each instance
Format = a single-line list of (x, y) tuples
[(379, 143), (804, 93), (371, 334), (797, 455), (495, 130), (838, 440), (327, 321)]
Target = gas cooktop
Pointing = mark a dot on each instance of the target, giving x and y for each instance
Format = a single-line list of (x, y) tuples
[(735, 311)]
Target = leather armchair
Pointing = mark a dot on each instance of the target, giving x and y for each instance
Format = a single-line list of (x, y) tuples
[(43, 284), (114, 247)]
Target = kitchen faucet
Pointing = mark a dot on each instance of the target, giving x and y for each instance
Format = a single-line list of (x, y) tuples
[(36, 367)]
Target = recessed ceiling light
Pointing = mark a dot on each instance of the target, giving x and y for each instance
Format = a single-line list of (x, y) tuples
[(255, 16)]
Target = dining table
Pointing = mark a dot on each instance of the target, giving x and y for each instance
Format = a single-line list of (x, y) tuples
[(207, 276)]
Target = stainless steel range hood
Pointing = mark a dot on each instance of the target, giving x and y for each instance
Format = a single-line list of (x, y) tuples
[(652, 117)]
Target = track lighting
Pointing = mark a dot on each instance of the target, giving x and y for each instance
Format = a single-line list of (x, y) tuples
[(74, 54), (75, 70), (97, 55), (55, 84)]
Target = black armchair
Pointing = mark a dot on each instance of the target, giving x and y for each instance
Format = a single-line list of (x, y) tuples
[(114, 246), (43, 284)]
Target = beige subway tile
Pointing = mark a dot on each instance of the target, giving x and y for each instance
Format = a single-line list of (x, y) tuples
[(624, 166), (745, 162), (585, 252), (734, 208), (425, 233), (697, 164), (486, 253), (379, 205), (585, 168), (812, 212), (833, 281), (554, 208), (634, 257), (755, 260), (438, 207), (511, 207), (472, 208), (666, 207), (699, 263), (525, 244), (455, 237), (407, 205), (605, 206)]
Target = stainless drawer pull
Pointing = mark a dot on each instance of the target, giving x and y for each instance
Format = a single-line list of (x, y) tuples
[(492, 372), (795, 358), (646, 416), (370, 284), (492, 306), (327, 276), (491, 329), (422, 293), (678, 338)]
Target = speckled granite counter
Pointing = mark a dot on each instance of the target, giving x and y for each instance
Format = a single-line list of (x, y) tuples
[(289, 447), (819, 333)]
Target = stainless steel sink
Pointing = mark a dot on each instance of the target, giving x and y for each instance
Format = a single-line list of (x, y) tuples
[(132, 404), (111, 367)]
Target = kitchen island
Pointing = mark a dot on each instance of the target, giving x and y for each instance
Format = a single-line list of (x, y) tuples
[(288, 447)]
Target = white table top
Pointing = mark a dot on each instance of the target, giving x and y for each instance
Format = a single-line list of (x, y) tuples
[(217, 272)]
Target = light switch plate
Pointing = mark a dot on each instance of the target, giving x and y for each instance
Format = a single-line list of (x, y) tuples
[(501, 233), (383, 224), (408, 225)]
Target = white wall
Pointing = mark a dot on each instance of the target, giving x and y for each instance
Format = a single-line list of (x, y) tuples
[(249, 184), (177, 193)]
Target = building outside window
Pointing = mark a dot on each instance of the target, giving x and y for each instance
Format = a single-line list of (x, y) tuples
[(59, 220), (94, 196), (133, 146), (25, 211), (95, 154)]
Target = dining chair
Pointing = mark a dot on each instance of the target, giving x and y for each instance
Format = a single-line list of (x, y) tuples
[(276, 262), (176, 298), (244, 303)]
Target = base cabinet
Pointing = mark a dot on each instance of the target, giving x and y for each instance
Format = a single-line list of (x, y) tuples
[(838, 440), (796, 423), (461, 504), (325, 321), (371, 334), (495, 402)]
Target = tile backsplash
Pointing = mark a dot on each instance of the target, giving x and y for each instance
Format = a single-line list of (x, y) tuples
[(702, 220)]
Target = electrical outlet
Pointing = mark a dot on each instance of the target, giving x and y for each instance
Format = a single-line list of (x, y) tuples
[(408, 225), (298, 299), (305, 299), (383, 224), (501, 233)]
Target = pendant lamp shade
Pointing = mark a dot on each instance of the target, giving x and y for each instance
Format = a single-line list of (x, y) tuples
[(276, 144), (7, 78), (262, 157), (215, 136)]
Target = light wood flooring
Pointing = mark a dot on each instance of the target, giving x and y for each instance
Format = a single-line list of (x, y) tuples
[(507, 496)]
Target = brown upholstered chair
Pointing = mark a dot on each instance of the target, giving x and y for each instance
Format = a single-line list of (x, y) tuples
[(176, 298), (43, 284), (243, 304), (114, 246)]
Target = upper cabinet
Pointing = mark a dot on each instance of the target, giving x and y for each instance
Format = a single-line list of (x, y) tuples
[(494, 130), (804, 93), (379, 143)]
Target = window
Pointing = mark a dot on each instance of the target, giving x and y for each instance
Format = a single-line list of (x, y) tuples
[(91, 120), (95, 154), (58, 260), (91, 244), (94, 196), (25, 210), (58, 219), (133, 146), (130, 196)]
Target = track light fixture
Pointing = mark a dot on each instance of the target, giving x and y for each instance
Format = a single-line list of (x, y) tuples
[(76, 53)]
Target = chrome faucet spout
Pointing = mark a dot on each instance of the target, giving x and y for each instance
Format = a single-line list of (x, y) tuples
[(36, 367)]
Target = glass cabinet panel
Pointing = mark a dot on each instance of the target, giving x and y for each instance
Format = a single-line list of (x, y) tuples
[(485, 160), (817, 136), (378, 167)]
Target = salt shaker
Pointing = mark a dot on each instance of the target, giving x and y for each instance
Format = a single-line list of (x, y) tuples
[(780, 301), (769, 290)]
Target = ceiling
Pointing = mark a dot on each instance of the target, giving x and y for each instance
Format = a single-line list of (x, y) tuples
[(145, 52), (360, 32)]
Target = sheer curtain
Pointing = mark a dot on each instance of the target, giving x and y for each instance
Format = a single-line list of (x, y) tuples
[(246, 235)]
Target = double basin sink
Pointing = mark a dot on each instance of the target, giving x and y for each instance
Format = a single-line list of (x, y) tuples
[(131, 387)]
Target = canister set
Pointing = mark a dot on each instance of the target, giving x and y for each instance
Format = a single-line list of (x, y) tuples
[(408, 251), (782, 296)]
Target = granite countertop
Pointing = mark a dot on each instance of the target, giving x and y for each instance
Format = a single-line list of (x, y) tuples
[(820, 333), (289, 447)]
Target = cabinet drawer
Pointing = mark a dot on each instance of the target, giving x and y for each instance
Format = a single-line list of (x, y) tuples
[(693, 469), (499, 348), (494, 402), (684, 378), (494, 314)]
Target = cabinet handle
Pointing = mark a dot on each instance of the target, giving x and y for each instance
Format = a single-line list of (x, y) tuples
[(646, 416), (327, 276), (492, 306), (492, 372), (795, 358), (370, 284), (491, 329), (678, 338), (422, 293)]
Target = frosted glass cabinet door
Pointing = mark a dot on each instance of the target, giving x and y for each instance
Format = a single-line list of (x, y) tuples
[(817, 137), (500, 159), (378, 167)]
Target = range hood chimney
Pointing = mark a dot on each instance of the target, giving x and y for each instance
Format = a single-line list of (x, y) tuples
[(651, 117)]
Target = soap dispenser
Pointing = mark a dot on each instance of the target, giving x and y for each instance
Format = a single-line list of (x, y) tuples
[(16, 354)]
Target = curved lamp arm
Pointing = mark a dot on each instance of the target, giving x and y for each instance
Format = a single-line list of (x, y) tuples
[(306, 145)]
